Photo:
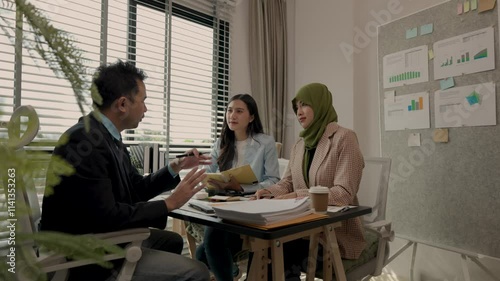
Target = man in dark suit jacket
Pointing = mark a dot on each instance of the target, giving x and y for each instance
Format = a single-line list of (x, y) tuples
[(106, 193)]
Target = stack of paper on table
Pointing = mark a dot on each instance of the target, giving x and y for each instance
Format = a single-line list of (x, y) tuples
[(264, 211)]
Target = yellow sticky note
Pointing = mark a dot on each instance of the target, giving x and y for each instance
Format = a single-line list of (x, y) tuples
[(466, 6), (440, 135), (431, 54), (473, 5), (460, 8)]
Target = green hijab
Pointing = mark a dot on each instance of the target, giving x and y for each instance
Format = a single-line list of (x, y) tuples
[(319, 98)]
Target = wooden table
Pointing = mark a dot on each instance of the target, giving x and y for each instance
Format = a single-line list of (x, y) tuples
[(260, 241)]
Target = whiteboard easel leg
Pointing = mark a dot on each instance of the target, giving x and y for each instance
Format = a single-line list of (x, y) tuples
[(399, 252), (484, 268), (413, 261), (465, 269)]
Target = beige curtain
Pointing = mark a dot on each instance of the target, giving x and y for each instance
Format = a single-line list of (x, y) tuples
[(268, 58)]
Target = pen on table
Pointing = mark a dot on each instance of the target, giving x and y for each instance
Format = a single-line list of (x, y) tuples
[(346, 208), (188, 154)]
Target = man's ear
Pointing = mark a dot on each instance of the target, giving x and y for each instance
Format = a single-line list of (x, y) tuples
[(121, 104)]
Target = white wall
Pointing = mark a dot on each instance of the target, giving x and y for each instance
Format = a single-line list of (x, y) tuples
[(317, 57)]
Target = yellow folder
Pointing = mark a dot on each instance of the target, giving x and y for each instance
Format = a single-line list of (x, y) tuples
[(243, 174)]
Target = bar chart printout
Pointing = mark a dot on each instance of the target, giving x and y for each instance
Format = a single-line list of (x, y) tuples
[(406, 67), (407, 112), (416, 104), (464, 54)]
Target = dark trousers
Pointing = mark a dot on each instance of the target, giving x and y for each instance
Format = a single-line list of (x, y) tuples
[(217, 251)]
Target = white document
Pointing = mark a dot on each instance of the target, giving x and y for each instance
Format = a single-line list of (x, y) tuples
[(414, 139), (464, 54), (406, 67), (473, 105), (264, 211), (407, 112)]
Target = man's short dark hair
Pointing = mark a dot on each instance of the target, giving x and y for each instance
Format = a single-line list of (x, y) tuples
[(116, 80)]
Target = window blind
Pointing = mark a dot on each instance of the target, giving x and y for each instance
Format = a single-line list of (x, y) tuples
[(184, 47)]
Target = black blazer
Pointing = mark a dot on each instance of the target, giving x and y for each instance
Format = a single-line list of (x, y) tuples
[(105, 192)]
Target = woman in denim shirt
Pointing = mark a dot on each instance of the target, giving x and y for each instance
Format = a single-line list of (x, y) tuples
[(241, 142)]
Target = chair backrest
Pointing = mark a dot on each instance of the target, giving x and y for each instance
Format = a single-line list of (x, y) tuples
[(279, 145), (283, 165), (373, 187)]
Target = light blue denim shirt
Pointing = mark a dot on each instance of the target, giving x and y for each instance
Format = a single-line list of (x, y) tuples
[(262, 156)]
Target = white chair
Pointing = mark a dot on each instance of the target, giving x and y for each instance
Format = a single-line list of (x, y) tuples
[(283, 164), (28, 221), (279, 146), (372, 192)]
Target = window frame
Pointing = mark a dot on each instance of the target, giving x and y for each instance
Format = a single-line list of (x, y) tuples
[(222, 59)]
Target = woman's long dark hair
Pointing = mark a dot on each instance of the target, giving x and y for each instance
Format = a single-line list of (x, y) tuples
[(227, 138)]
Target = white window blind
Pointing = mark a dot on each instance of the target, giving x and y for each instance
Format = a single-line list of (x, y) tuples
[(183, 47), (7, 65), (185, 51)]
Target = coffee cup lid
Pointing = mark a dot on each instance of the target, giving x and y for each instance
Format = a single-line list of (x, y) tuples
[(319, 189)]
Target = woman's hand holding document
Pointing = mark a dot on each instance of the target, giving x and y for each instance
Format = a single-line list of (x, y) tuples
[(231, 179), (222, 184)]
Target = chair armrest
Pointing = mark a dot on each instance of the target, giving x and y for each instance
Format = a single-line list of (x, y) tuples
[(124, 236), (382, 229), (133, 253)]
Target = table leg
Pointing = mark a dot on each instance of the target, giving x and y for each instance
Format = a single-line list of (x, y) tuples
[(277, 260), (313, 253), (331, 240), (258, 269)]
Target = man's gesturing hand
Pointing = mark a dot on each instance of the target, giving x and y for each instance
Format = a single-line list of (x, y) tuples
[(186, 189)]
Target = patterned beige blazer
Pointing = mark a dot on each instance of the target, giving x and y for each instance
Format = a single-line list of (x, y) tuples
[(337, 164)]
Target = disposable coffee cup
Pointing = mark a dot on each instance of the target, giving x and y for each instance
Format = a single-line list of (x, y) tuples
[(319, 198)]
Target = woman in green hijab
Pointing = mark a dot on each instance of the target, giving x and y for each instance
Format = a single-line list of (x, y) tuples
[(326, 154)]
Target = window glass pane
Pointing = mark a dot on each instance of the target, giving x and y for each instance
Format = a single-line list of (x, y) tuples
[(191, 82), (117, 30), (7, 61), (150, 56)]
